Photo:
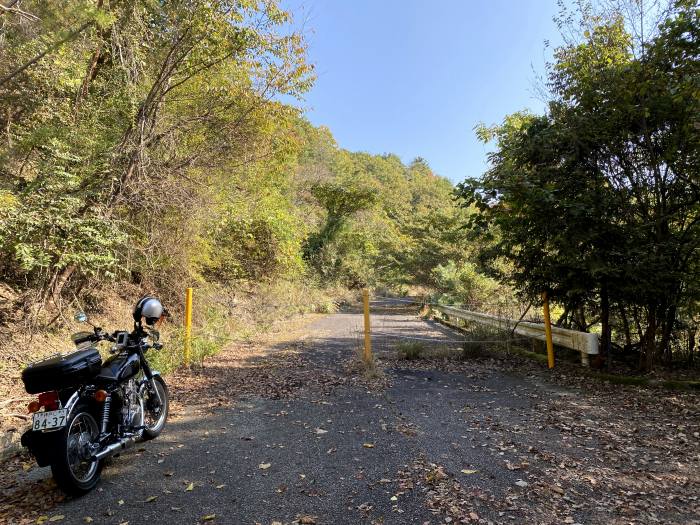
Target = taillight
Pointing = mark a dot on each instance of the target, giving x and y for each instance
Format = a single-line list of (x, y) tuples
[(34, 406), (49, 400)]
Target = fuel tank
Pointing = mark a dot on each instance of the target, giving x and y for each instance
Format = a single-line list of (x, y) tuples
[(119, 368)]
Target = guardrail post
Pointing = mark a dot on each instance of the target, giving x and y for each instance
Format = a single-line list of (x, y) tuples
[(548, 330), (367, 355), (188, 325)]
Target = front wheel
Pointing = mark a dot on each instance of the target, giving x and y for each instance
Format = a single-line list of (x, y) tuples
[(156, 405), (75, 469)]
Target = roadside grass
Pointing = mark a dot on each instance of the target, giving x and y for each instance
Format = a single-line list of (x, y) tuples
[(223, 315), (563, 356), (368, 369), (410, 350)]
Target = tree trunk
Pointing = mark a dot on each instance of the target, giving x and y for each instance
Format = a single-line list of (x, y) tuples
[(649, 347), (605, 338), (637, 323), (691, 345), (666, 334), (60, 282), (91, 72), (626, 327), (563, 318), (580, 318)]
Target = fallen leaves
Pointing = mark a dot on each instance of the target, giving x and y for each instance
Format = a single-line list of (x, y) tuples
[(190, 487), (606, 452)]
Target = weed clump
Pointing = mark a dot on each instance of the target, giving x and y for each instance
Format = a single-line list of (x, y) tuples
[(411, 350)]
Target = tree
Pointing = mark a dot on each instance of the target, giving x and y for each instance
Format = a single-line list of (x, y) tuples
[(597, 201), (121, 128)]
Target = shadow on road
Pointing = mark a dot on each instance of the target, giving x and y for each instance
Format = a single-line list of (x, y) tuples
[(293, 429)]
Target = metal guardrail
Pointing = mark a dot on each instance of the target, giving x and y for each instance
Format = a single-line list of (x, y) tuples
[(584, 342)]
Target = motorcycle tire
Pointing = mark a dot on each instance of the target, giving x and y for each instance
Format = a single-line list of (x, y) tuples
[(73, 470)]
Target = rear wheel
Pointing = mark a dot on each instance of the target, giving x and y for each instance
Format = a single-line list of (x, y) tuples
[(155, 408), (75, 469)]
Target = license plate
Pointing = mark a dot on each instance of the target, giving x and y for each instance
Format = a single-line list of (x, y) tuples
[(49, 420)]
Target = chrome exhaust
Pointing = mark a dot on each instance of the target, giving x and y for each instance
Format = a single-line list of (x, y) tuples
[(120, 445)]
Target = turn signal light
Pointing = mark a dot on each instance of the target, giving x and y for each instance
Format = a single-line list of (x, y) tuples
[(100, 396), (34, 406)]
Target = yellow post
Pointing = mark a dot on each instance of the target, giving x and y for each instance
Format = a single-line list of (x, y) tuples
[(188, 325), (548, 330), (367, 356)]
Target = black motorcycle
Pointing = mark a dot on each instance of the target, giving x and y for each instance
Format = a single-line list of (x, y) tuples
[(88, 410)]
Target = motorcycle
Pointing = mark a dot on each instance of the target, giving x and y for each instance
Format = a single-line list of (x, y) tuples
[(89, 410)]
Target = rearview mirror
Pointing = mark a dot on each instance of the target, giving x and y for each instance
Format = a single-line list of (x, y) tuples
[(81, 317)]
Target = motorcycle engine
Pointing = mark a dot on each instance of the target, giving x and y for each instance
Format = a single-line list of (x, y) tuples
[(132, 406)]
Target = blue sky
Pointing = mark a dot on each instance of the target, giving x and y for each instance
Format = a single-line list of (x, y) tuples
[(413, 77)]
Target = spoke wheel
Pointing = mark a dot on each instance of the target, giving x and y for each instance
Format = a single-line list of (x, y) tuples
[(156, 405), (75, 470), (82, 433)]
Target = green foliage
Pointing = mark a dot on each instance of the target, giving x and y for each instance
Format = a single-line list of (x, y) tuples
[(463, 284), (146, 142), (597, 201), (378, 222), (340, 202), (410, 350), (45, 229), (129, 129)]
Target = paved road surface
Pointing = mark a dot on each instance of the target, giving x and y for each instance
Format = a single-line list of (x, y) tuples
[(336, 451)]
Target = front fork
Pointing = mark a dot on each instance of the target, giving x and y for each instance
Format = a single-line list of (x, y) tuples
[(149, 381)]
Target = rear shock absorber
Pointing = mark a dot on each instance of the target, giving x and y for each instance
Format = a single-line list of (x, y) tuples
[(105, 413)]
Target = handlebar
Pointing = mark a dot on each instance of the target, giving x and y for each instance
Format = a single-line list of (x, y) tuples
[(101, 335)]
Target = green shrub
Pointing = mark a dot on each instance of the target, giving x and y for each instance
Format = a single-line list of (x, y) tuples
[(410, 350)]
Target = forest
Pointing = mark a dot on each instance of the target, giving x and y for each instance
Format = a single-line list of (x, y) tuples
[(145, 147), (148, 146)]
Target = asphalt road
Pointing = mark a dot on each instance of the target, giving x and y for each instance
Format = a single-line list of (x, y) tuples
[(345, 452)]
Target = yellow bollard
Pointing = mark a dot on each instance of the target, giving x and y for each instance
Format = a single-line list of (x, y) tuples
[(548, 330), (188, 325), (367, 356)]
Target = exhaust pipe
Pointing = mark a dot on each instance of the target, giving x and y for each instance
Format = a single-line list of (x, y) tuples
[(120, 445)]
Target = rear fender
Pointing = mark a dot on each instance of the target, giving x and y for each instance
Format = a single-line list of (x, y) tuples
[(43, 445), (72, 401)]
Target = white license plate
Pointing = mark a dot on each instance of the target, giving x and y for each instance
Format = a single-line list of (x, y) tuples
[(49, 420)]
